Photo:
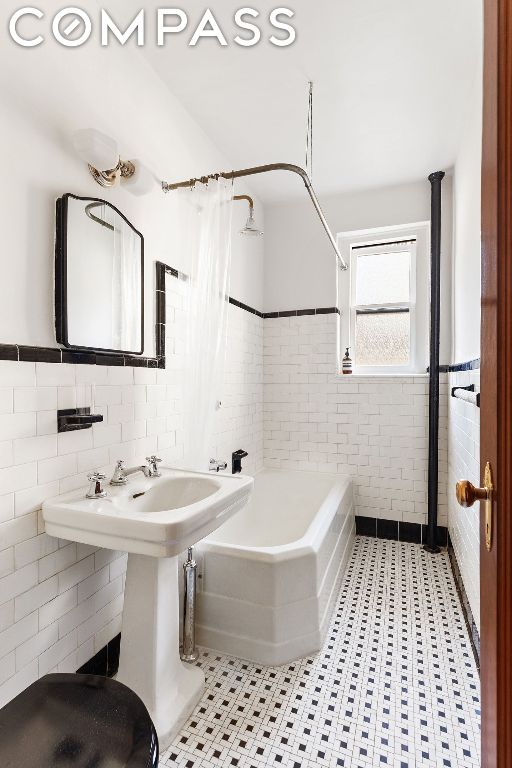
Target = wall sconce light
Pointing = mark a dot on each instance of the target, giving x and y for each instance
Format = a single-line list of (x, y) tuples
[(101, 154)]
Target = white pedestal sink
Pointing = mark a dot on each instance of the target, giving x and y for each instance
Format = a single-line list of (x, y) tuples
[(154, 520)]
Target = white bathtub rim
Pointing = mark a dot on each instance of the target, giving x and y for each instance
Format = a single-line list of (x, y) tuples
[(346, 530), (308, 543)]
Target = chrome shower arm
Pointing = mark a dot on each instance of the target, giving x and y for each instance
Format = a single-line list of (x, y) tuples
[(266, 169)]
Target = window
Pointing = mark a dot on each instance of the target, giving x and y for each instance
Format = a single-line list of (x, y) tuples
[(378, 300)]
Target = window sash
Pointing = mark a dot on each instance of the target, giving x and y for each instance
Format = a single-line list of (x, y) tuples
[(396, 246), (410, 306), (369, 309), (384, 366)]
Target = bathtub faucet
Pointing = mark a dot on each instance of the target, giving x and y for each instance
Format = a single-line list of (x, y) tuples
[(217, 466), (236, 461)]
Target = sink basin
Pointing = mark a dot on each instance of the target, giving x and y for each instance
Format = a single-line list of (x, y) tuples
[(160, 516), (154, 520), (174, 493)]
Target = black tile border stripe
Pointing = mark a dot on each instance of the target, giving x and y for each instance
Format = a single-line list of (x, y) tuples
[(395, 530), (22, 353), (470, 365), (8, 352), (466, 608), (246, 307), (39, 354), (301, 312)]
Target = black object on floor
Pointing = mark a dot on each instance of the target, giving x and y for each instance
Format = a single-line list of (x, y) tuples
[(77, 721)]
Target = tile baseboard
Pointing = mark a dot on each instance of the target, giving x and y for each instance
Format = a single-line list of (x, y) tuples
[(104, 663), (395, 530), (474, 635)]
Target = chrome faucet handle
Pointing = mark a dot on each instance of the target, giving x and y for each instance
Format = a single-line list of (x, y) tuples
[(119, 476), (153, 462), (217, 466), (95, 489)]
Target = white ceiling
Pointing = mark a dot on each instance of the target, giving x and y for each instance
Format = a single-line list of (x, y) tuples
[(393, 79)]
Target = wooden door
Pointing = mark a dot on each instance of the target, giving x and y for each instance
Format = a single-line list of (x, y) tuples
[(496, 385)]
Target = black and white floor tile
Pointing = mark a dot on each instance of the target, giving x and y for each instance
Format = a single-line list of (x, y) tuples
[(395, 683)]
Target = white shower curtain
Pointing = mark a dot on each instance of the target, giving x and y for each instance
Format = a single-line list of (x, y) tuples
[(206, 214), (126, 288)]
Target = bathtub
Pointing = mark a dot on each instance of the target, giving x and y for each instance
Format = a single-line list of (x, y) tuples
[(269, 577)]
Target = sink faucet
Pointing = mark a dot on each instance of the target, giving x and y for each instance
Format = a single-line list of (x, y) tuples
[(217, 466), (120, 476), (96, 490), (152, 466)]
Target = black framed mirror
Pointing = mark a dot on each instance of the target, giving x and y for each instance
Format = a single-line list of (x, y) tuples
[(99, 277)]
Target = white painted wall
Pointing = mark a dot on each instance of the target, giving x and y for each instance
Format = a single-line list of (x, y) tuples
[(300, 263), (464, 419), (46, 94), (466, 234)]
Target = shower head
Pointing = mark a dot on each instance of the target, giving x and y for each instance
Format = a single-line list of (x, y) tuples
[(250, 226)]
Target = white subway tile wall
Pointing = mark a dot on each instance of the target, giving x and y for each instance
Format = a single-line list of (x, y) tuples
[(464, 464), (61, 602), (373, 429)]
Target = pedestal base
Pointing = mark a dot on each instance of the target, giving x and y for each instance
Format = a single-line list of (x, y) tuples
[(149, 662)]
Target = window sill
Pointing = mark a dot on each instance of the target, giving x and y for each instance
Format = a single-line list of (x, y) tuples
[(352, 376)]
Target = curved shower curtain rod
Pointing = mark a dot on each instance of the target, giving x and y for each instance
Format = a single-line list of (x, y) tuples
[(265, 169), (88, 212)]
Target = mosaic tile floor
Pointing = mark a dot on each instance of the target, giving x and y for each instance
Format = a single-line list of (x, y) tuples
[(394, 685)]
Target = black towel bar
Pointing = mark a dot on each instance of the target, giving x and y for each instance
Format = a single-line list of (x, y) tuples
[(469, 388)]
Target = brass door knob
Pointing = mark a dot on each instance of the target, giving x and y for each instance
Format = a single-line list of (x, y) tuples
[(467, 494)]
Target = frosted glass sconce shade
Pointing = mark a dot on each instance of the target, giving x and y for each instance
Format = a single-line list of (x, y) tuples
[(96, 149), (141, 182), (101, 154)]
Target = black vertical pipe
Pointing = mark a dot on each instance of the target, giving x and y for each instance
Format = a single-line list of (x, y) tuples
[(435, 331)]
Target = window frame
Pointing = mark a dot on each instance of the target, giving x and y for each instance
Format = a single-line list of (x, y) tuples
[(409, 306), (376, 240)]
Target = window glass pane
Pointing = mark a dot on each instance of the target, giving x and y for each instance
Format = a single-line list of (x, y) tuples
[(383, 278), (383, 338)]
